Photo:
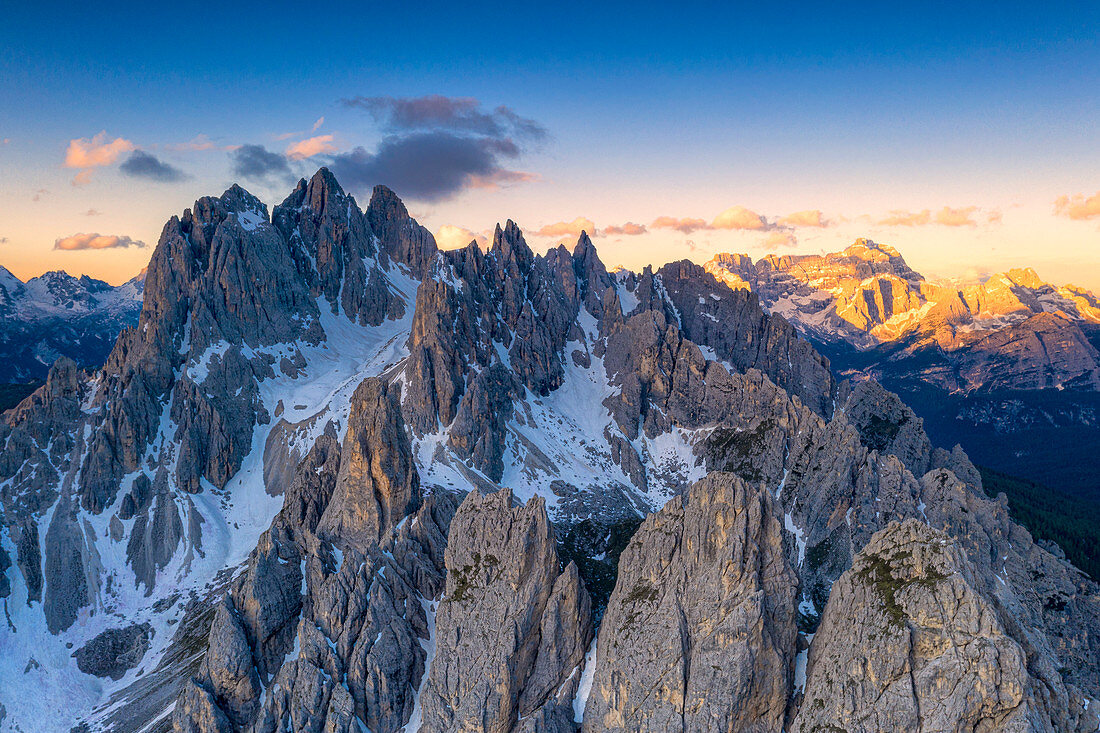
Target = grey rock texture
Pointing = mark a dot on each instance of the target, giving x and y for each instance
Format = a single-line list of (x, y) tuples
[(320, 635), (115, 651), (908, 642), (511, 629), (732, 323), (699, 633), (377, 485)]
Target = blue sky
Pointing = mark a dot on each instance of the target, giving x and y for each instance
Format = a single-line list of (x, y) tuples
[(648, 110)]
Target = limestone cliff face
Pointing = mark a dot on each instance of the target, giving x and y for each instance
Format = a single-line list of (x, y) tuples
[(908, 641), (377, 485), (700, 630), (511, 629)]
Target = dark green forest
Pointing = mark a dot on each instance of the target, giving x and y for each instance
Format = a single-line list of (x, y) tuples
[(1048, 514)]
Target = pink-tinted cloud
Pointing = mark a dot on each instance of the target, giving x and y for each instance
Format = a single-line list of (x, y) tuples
[(450, 236), (93, 212), (1078, 207), (568, 228), (963, 217), (948, 216), (684, 226), (38, 194), (994, 217), (738, 217), (316, 125), (499, 179), (629, 229), (902, 218), (86, 154), (95, 241), (311, 146), (779, 239), (807, 218)]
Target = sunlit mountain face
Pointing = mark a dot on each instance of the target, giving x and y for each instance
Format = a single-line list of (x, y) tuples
[(549, 369)]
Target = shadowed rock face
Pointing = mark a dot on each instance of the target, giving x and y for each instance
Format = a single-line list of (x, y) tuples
[(699, 633)]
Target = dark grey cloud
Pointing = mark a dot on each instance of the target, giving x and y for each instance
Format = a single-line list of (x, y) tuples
[(437, 146), (255, 162), (141, 164), (454, 114), (428, 166)]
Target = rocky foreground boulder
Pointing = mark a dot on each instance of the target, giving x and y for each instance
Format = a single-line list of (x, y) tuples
[(908, 641)]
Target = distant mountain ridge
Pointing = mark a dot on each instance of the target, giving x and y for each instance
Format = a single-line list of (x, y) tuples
[(1009, 367), (57, 314), (867, 296)]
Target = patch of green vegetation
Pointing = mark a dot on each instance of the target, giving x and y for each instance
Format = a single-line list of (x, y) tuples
[(877, 571), (466, 577), (733, 450), (1051, 515), (642, 591), (589, 539)]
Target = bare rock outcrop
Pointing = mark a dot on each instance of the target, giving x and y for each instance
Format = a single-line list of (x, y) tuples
[(377, 484), (512, 628), (699, 633), (908, 641)]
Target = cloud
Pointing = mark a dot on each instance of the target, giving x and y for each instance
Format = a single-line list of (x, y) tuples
[(255, 162), (429, 166), (567, 228), (628, 229), (311, 146), (145, 165), (86, 154), (316, 125), (738, 217), (1078, 207), (994, 217), (434, 146), (947, 216), (778, 239), (807, 218), (96, 241), (499, 179), (3, 240), (962, 217), (450, 236), (93, 212), (6, 141), (38, 194), (684, 226), (902, 218), (452, 114)]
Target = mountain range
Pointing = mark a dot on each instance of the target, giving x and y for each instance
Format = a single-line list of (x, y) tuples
[(336, 479), (56, 315), (1008, 367)]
